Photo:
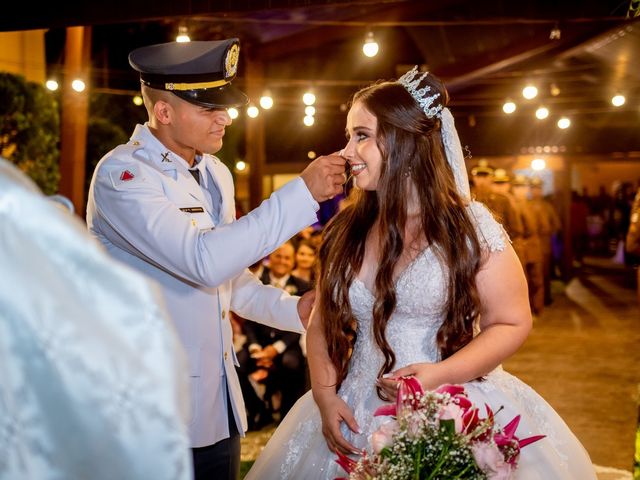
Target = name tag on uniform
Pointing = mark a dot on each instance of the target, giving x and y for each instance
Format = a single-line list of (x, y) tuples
[(192, 209)]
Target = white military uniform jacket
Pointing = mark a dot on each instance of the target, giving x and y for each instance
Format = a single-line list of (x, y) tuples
[(147, 209)]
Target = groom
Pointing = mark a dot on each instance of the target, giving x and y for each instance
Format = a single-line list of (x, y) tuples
[(164, 205)]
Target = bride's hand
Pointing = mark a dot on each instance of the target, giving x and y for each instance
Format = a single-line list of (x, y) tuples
[(428, 374), (334, 411)]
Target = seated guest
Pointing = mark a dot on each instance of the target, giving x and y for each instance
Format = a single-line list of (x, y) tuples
[(273, 357), (306, 255)]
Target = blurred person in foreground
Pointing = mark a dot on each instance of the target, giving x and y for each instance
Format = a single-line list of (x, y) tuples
[(91, 382), (164, 204)]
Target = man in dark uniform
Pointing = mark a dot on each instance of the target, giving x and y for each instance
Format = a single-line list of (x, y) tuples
[(274, 357), (514, 226), (499, 204)]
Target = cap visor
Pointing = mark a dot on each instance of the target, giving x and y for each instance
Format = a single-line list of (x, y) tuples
[(226, 96)]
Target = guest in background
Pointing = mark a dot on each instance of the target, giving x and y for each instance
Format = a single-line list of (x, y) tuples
[(273, 357), (306, 262)]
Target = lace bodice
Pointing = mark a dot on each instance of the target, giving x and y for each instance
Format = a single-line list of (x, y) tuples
[(421, 293)]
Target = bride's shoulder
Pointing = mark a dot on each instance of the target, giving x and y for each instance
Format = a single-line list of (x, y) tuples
[(491, 234)]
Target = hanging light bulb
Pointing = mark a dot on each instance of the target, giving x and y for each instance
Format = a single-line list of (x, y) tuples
[(538, 164), (370, 47), (308, 120), (308, 98), (233, 113), (253, 111), (529, 92), (310, 110), (78, 85), (564, 123), (240, 166), (618, 100), (137, 100), (266, 101), (542, 113), (52, 85), (183, 34), (509, 107)]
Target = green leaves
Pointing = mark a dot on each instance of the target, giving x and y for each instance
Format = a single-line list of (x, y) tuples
[(30, 130)]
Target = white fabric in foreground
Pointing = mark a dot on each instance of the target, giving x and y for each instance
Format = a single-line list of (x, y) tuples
[(90, 369)]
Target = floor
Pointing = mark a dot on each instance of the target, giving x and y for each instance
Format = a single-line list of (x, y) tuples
[(583, 357)]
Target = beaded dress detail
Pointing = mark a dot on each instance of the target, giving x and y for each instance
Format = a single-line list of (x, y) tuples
[(298, 450)]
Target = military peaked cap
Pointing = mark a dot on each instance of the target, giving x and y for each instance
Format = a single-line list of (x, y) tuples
[(198, 72)]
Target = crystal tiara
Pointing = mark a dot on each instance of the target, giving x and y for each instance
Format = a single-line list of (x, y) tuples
[(410, 82)]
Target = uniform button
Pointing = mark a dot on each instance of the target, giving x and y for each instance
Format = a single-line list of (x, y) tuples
[(136, 143), (225, 355), (224, 313)]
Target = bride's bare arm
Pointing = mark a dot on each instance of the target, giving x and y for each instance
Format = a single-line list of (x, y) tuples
[(332, 408), (505, 322)]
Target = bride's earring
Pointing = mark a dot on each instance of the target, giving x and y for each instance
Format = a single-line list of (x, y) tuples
[(407, 174)]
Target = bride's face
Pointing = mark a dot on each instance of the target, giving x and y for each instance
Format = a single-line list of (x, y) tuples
[(361, 151)]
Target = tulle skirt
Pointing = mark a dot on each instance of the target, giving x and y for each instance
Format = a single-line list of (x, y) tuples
[(297, 449)]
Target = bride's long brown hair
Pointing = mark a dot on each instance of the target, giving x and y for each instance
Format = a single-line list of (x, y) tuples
[(410, 145)]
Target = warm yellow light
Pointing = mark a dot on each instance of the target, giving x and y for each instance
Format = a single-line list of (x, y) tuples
[(183, 35), (78, 85), (137, 100), (542, 113), (509, 107), (564, 122), (266, 101), (233, 113), (52, 85), (310, 110), (370, 47), (538, 164), (240, 165), (529, 92), (308, 120), (253, 111), (618, 100), (311, 154), (308, 98)]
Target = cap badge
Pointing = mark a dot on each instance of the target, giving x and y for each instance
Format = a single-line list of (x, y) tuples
[(231, 61)]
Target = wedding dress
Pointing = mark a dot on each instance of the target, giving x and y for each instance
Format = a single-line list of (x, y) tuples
[(297, 450)]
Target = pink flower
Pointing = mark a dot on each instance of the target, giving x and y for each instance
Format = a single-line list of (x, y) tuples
[(383, 437), (414, 426), (451, 411), (490, 460)]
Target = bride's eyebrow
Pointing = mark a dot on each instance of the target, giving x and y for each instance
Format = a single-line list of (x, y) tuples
[(357, 129)]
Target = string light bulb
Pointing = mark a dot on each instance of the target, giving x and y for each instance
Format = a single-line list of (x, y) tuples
[(542, 113), (241, 166), (52, 85), (183, 34), (370, 47), (137, 100), (564, 123), (78, 85), (509, 107), (310, 110), (308, 98), (308, 120), (538, 164), (253, 111), (529, 92), (266, 101), (618, 100), (233, 113)]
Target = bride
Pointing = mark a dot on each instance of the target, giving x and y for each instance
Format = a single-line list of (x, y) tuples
[(416, 279)]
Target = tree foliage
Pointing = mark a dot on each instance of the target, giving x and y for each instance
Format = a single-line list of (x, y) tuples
[(30, 130)]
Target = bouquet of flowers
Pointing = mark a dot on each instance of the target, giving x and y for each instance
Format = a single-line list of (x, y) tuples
[(438, 435)]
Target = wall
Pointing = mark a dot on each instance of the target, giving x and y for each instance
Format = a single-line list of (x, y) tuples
[(23, 53)]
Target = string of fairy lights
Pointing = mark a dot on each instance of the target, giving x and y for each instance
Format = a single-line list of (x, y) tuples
[(370, 48)]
